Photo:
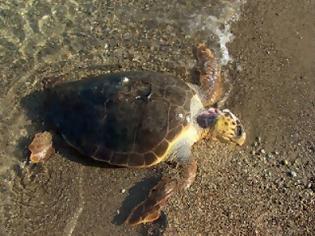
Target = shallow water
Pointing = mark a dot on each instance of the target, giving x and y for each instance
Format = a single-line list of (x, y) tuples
[(44, 41)]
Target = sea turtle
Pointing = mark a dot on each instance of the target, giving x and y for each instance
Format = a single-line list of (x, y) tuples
[(139, 119)]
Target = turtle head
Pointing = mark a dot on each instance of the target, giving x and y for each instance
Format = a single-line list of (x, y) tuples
[(223, 125)]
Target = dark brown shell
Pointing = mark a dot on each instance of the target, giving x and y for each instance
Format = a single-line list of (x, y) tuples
[(126, 119)]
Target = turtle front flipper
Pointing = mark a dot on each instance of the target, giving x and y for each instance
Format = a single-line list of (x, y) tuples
[(210, 78), (150, 209)]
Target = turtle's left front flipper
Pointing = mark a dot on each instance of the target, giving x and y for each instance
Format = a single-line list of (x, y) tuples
[(150, 209)]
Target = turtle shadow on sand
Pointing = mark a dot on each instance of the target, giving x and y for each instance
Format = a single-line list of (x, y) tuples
[(35, 109), (136, 194)]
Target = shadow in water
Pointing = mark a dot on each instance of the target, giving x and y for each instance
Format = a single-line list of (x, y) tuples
[(135, 195), (36, 109)]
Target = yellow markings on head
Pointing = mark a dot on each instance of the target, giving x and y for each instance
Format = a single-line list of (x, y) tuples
[(224, 129), (225, 125), (228, 128)]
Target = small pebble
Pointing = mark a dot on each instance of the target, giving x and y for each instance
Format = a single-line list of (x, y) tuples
[(23, 164), (276, 153), (262, 151), (125, 80), (259, 139), (292, 173), (269, 156), (284, 162), (268, 174), (23, 132), (123, 190)]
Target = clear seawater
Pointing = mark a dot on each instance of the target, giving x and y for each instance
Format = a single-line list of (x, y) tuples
[(44, 40)]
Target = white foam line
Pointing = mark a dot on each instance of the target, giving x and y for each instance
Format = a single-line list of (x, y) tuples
[(218, 25), (74, 221)]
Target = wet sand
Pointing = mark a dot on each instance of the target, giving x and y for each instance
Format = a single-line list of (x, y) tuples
[(275, 93), (266, 187)]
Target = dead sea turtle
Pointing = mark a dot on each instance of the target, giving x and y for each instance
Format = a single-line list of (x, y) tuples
[(139, 119)]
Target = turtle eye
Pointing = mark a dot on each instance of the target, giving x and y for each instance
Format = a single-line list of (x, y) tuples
[(239, 131)]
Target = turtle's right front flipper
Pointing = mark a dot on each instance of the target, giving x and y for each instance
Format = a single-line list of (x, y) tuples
[(211, 81), (150, 209)]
